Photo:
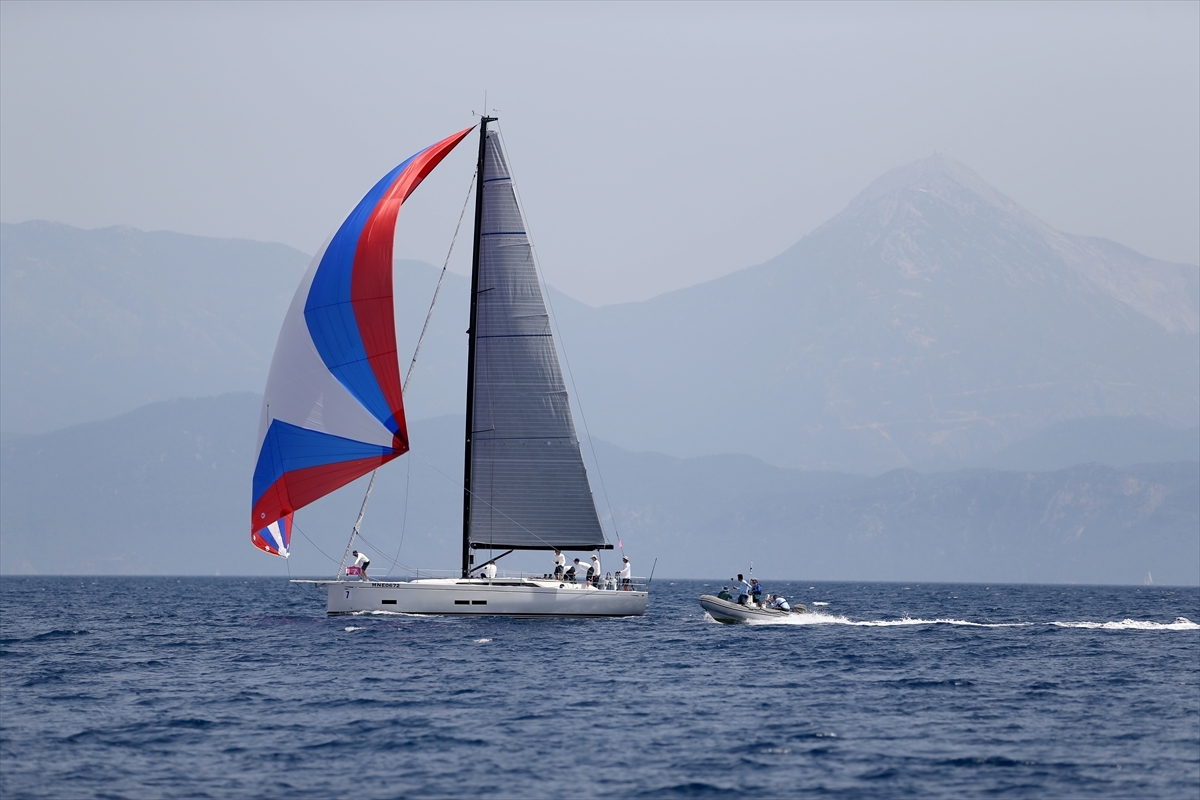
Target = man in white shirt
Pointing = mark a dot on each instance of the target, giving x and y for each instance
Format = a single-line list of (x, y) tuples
[(362, 562), (594, 572), (743, 589), (489, 570), (626, 574), (560, 564)]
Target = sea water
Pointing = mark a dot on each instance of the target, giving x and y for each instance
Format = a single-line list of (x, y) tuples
[(230, 688)]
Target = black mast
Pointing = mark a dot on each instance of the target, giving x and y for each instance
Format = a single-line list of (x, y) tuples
[(466, 551)]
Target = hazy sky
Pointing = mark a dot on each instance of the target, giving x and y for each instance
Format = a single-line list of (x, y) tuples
[(655, 145)]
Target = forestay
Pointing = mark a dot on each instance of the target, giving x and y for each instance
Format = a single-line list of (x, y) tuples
[(528, 484), (332, 410)]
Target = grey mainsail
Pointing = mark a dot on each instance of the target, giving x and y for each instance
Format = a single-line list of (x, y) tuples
[(527, 481)]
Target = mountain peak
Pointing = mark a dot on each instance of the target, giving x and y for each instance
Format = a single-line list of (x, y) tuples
[(938, 177), (936, 215), (931, 173)]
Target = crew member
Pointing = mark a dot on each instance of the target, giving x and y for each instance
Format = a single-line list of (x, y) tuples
[(779, 603), (489, 570), (626, 574), (362, 562), (756, 591), (594, 571), (743, 590), (560, 564)]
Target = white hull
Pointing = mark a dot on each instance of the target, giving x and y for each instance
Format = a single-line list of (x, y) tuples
[(481, 597), (727, 611)]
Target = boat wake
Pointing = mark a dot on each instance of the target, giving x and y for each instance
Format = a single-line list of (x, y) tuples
[(818, 618), (1180, 624)]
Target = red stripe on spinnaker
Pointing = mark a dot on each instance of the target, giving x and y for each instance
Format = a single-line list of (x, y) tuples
[(371, 279), (266, 544), (262, 544), (300, 487)]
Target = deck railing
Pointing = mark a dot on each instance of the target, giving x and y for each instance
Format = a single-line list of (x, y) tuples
[(608, 582)]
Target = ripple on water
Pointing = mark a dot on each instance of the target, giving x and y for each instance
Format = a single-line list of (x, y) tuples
[(935, 692)]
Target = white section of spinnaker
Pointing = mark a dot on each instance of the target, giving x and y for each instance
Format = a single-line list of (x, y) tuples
[(303, 392), (274, 531)]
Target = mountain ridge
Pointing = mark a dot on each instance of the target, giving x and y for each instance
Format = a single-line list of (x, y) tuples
[(165, 489), (932, 321), (1160, 290), (879, 331)]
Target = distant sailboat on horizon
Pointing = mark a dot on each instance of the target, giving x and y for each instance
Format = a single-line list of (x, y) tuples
[(333, 409)]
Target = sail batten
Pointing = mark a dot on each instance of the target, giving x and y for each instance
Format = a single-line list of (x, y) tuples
[(333, 409), (528, 485)]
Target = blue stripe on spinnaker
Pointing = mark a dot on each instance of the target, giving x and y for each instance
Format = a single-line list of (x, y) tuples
[(329, 312), (287, 448)]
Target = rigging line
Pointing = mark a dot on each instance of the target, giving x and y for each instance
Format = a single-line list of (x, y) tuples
[(362, 510), (404, 388), (383, 556), (404, 520), (304, 590), (562, 343), (429, 315), (489, 505), (314, 544)]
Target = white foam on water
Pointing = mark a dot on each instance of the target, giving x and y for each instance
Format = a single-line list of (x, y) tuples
[(817, 618), (820, 604), (482, 641), (352, 628), (1180, 624)]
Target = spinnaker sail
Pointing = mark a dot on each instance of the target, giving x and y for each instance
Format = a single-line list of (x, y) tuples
[(276, 538), (333, 408)]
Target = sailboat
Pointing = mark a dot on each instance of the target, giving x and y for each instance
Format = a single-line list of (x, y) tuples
[(333, 409)]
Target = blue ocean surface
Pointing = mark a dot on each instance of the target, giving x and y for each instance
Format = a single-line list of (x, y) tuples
[(231, 688)]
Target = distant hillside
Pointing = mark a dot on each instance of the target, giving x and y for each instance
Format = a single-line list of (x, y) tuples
[(165, 489), (932, 324), (933, 319), (97, 323), (1115, 441)]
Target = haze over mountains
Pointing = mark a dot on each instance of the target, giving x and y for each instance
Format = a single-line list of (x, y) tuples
[(932, 324), (163, 490), (96, 323)]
